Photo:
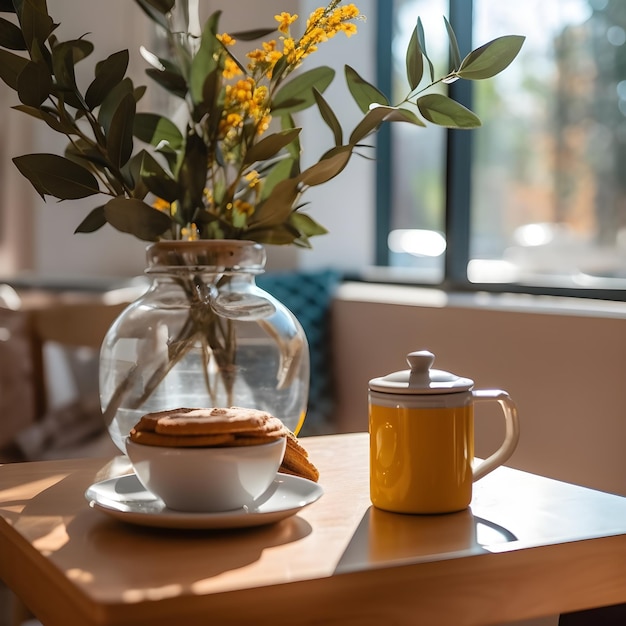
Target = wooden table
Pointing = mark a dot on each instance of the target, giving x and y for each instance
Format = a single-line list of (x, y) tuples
[(529, 546)]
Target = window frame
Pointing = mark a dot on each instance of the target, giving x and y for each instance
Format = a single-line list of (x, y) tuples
[(458, 151)]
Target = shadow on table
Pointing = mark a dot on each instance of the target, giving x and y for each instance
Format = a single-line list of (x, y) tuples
[(382, 537), (111, 544)]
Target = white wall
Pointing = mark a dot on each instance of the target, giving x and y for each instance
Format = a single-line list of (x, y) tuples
[(346, 204), (113, 25)]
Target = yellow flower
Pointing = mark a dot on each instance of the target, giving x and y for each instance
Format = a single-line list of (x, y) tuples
[(231, 69), (284, 21), (232, 121), (263, 124), (245, 100), (241, 91), (161, 205), (253, 179), (244, 109), (349, 29), (289, 50), (226, 39), (260, 95), (243, 207), (190, 233), (316, 16), (263, 60), (323, 24)]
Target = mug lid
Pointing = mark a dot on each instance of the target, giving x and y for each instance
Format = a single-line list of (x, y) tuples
[(421, 378)]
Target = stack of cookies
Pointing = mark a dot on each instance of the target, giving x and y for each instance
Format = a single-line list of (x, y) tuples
[(297, 461), (214, 427)]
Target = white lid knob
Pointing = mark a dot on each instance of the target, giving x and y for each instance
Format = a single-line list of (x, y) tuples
[(421, 378)]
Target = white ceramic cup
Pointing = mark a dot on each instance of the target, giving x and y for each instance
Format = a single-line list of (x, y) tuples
[(206, 479)]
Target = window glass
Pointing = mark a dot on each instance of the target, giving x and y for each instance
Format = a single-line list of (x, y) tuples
[(417, 238), (549, 166)]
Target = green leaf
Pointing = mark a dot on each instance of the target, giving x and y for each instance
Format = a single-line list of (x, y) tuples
[(11, 36), (294, 149), (39, 53), (64, 57), (156, 10), (251, 35), (6, 6), (84, 152), (81, 49), (137, 218), (422, 41), (306, 224), (204, 61), (94, 221), (77, 50), (444, 111), (132, 175), (363, 93), (284, 169), (111, 103), (157, 180), (370, 122), (57, 125), (192, 177), (172, 157), (120, 133), (400, 114), (278, 206), (379, 114), (270, 146), (11, 66), (155, 129), (327, 168), (109, 73), (297, 93), (414, 61), (173, 82), (35, 23), (138, 92), (57, 176), (491, 58), (277, 235), (63, 61), (281, 66), (211, 100), (455, 55), (34, 84), (328, 115), (162, 6)]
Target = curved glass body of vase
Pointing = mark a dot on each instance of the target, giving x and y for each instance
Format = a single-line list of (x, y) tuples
[(203, 335)]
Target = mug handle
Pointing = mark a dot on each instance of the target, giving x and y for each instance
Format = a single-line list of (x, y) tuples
[(511, 436)]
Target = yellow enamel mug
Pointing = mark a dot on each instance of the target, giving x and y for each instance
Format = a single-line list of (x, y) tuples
[(421, 425)]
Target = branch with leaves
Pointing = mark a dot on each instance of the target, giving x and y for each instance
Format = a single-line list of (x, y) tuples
[(233, 171)]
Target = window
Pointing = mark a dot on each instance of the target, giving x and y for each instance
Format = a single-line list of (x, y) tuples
[(534, 200)]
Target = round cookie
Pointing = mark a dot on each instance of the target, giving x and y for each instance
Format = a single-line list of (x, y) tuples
[(212, 421), (151, 438), (148, 421)]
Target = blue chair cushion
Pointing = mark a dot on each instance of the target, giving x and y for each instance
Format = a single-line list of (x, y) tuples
[(308, 295)]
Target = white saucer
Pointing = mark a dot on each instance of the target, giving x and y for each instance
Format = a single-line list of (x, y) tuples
[(125, 498)]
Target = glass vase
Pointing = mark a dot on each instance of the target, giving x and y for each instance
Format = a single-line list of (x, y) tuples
[(203, 335)]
